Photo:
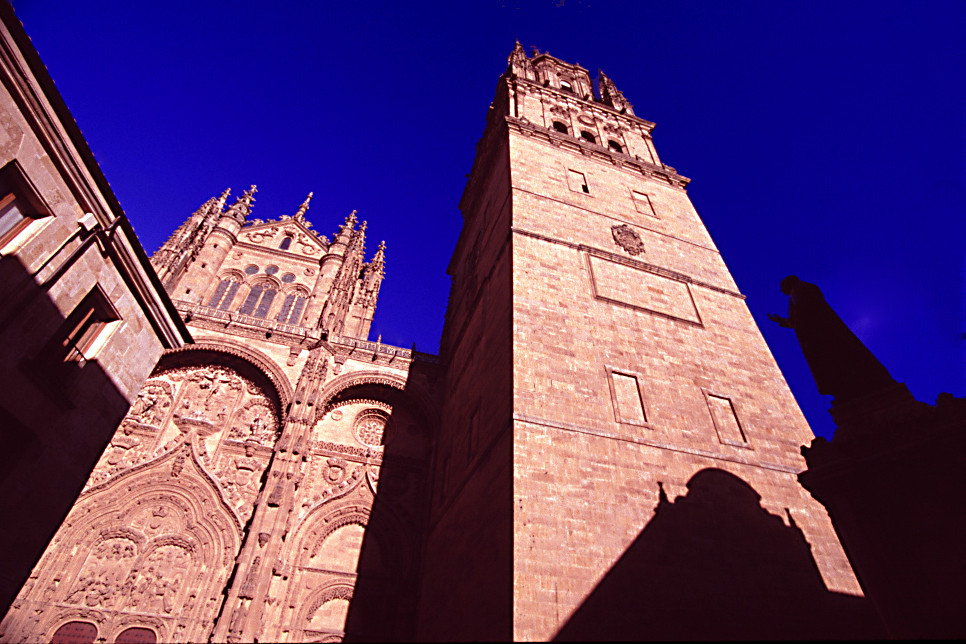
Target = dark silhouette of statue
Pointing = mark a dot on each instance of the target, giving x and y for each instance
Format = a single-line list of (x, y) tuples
[(841, 365)]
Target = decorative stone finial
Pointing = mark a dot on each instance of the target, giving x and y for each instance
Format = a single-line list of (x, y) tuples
[(518, 64), (304, 208), (610, 95), (243, 207), (223, 198)]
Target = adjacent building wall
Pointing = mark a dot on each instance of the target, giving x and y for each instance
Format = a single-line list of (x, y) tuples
[(73, 249)]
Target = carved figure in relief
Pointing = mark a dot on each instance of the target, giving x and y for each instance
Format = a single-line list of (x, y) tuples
[(155, 587), (246, 467), (151, 405), (255, 422), (121, 452), (157, 517), (335, 473), (106, 567)]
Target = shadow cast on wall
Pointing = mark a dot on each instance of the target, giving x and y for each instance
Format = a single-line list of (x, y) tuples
[(713, 564), (384, 601), (56, 417)]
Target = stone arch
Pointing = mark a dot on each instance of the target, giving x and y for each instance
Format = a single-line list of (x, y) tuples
[(263, 280), (354, 379), (323, 520), (406, 400), (208, 351), (191, 518), (334, 590), (64, 618), (233, 274), (153, 626)]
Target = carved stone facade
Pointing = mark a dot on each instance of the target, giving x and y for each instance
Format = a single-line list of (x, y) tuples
[(237, 499), (285, 479)]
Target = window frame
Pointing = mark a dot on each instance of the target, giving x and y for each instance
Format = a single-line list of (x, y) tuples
[(572, 175), (85, 330), (16, 188)]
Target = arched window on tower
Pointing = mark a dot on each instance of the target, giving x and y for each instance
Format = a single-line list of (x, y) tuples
[(566, 86), (560, 127), (224, 294), (259, 301), (615, 146), (286, 243), (587, 136), (291, 310)]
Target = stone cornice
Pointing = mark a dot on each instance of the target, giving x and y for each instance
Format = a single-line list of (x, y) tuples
[(663, 173), (590, 104)]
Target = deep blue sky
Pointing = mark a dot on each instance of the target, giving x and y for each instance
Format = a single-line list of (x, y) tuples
[(822, 139)]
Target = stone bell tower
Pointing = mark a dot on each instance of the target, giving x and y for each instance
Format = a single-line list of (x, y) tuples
[(612, 411)]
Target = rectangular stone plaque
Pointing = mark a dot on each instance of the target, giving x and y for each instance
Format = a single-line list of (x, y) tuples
[(643, 290)]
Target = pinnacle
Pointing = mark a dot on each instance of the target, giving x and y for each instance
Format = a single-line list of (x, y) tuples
[(300, 215)]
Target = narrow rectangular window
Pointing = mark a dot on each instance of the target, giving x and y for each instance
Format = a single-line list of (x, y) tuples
[(266, 303), (296, 316), (225, 303), (286, 307), (249, 304), (725, 420), (577, 181), (84, 326), (628, 405), (643, 203), (219, 293), (19, 203)]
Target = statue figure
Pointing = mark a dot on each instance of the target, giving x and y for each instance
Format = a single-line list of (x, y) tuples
[(841, 365)]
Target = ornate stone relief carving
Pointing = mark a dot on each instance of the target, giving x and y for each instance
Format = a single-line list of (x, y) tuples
[(628, 239), (155, 532), (261, 236)]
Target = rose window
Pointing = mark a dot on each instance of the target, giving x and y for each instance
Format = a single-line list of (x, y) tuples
[(370, 427)]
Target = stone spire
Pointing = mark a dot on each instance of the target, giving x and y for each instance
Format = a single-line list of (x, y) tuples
[(221, 200), (610, 95), (379, 259), (518, 64), (183, 245), (374, 273), (345, 231), (304, 208), (243, 207)]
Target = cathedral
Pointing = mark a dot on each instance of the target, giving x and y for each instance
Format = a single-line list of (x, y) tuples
[(604, 447)]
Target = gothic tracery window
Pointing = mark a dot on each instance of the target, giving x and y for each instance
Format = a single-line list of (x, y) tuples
[(291, 309), (259, 301), (224, 294)]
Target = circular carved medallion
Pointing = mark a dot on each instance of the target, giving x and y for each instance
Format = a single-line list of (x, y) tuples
[(370, 427)]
